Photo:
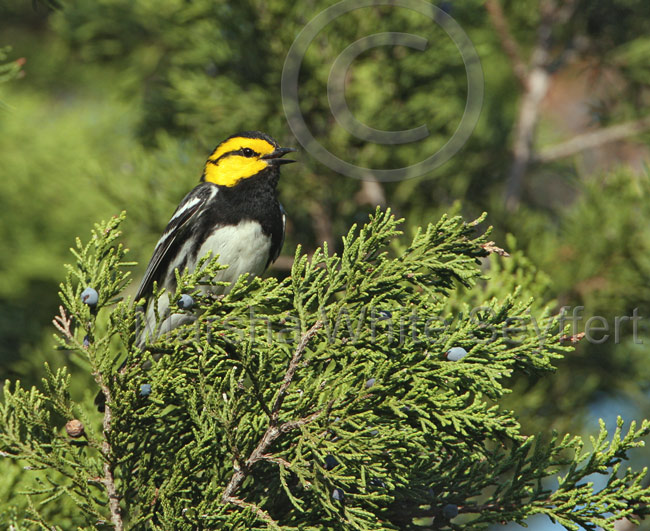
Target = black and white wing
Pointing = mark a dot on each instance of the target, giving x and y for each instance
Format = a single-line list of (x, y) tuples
[(174, 235)]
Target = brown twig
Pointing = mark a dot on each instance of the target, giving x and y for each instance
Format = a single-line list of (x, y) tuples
[(107, 451), (293, 365), (508, 43), (593, 139), (273, 431)]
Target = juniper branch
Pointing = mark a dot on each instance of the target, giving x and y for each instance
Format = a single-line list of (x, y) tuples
[(109, 464), (293, 365), (273, 431)]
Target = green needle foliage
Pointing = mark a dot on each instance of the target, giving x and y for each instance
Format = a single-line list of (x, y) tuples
[(322, 401)]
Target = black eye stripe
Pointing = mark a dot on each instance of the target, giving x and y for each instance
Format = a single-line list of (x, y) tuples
[(242, 152)]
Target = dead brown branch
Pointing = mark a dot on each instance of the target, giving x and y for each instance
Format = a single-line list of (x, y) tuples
[(508, 43)]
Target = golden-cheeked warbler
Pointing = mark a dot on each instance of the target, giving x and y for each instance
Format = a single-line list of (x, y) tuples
[(233, 213)]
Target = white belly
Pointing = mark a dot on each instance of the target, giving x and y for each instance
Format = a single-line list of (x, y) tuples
[(244, 248)]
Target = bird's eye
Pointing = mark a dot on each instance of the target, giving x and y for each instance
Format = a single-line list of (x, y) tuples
[(248, 152)]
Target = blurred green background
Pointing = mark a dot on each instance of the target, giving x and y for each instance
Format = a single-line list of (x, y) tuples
[(114, 105)]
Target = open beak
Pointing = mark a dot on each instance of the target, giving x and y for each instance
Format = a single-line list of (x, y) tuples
[(275, 157)]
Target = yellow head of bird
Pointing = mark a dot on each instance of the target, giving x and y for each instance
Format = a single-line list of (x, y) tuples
[(242, 156)]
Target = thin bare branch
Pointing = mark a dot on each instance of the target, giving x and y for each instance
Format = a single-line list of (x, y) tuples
[(273, 431), (594, 139), (109, 461), (508, 42), (293, 365)]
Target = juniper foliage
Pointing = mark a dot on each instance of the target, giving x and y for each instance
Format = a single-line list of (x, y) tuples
[(119, 75), (321, 401)]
